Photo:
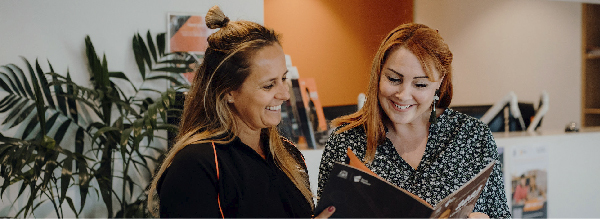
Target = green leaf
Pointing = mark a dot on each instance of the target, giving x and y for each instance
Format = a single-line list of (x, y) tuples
[(15, 111), (121, 75), (34, 81), (125, 136), (59, 93), (24, 92), (72, 206), (23, 115), (65, 178), (161, 43), (39, 99), (139, 57), (79, 141), (51, 120), (51, 164), (44, 85), (15, 89), (145, 52), (72, 105), (151, 46), (5, 86), (33, 122), (7, 106), (61, 131), (84, 176), (103, 130), (94, 64), (6, 100), (105, 76)]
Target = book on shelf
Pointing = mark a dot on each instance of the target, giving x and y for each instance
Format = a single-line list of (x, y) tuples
[(356, 191), (308, 88)]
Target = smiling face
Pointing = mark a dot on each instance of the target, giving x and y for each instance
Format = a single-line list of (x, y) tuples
[(257, 103), (405, 91)]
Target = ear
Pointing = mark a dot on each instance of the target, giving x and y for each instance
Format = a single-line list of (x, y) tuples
[(229, 97)]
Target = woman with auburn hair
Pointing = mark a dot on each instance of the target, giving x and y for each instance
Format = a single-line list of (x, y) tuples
[(229, 159), (405, 131)]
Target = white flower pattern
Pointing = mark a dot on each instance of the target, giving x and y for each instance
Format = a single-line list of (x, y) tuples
[(458, 147)]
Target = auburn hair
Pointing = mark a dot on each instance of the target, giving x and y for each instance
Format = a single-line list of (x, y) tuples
[(431, 51)]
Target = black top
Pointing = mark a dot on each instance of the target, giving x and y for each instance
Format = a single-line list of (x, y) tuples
[(248, 185), (458, 147)]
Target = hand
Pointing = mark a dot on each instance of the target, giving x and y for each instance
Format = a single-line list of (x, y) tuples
[(478, 215), (326, 213)]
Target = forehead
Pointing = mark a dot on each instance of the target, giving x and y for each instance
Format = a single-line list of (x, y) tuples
[(268, 62), (405, 62)]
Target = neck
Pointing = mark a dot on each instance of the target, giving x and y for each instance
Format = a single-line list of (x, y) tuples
[(251, 138)]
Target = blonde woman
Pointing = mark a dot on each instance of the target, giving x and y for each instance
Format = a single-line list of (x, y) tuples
[(229, 160)]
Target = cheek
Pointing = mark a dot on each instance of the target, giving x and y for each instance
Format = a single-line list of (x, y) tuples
[(425, 97), (385, 89)]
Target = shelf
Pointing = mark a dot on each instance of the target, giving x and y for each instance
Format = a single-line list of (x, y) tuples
[(590, 78), (592, 56), (592, 111)]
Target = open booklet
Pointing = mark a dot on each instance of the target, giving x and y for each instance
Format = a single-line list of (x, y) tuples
[(356, 191)]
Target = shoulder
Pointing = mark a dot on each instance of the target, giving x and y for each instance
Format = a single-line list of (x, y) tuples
[(464, 122), (194, 154), (469, 132), (339, 142), (352, 134)]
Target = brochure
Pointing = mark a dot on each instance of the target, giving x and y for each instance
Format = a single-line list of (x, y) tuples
[(355, 191)]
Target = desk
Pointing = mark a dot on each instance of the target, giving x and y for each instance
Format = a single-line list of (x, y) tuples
[(573, 168)]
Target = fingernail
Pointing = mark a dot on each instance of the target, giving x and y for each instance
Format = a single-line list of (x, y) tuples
[(331, 209)]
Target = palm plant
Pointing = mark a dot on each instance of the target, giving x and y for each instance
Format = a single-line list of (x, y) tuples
[(107, 146)]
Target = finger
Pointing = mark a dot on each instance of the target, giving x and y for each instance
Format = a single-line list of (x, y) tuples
[(478, 215), (326, 213)]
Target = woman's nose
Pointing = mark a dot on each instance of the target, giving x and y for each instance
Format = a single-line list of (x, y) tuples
[(284, 92), (403, 92)]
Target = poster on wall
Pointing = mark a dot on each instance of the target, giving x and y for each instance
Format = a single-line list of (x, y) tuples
[(187, 33), (529, 182)]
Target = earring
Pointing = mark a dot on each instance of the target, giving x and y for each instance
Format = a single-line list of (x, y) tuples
[(432, 117), (230, 100)]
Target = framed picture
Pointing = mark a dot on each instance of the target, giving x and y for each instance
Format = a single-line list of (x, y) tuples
[(187, 33)]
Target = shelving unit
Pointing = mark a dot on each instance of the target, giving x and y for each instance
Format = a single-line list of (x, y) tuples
[(590, 115)]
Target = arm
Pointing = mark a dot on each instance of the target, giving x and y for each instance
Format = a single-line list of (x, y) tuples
[(493, 198), (335, 151), (190, 187)]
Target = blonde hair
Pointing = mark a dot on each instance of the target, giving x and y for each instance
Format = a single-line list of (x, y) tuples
[(430, 49), (207, 116)]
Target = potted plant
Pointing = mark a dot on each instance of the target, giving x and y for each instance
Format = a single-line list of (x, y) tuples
[(82, 136)]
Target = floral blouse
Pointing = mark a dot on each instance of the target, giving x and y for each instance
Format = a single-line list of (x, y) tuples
[(458, 147)]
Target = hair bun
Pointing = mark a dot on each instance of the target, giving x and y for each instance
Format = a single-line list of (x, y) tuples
[(215, 18)]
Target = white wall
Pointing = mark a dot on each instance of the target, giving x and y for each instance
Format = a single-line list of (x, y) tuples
[(55, 31), (524, 46)]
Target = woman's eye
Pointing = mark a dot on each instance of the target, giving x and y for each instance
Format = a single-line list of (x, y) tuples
[(394, 80), (421, 85), (283, 79), (268, 87)]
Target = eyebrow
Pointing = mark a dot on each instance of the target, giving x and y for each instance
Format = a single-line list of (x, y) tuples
[(398, 73)]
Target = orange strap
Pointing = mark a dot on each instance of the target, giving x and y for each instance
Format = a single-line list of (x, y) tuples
[(217, 167)]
